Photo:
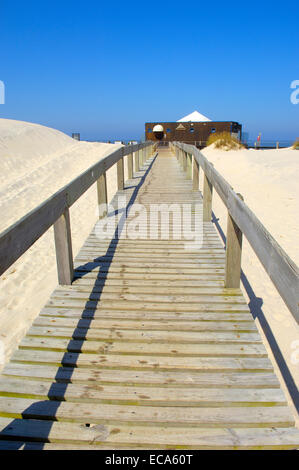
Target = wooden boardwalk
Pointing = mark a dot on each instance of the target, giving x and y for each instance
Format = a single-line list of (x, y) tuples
[(146, 349)]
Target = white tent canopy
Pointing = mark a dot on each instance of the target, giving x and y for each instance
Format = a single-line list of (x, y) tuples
[(194, 117)]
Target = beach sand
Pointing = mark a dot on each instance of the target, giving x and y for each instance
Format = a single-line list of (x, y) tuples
[(35, 162)]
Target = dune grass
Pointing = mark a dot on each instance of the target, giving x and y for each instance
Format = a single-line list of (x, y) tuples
[(224, 141), (296, 144)]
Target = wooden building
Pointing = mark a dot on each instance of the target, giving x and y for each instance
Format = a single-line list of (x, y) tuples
[(193, 131)]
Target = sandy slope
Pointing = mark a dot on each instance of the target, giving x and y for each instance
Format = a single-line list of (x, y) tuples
[(268, 181), (36, 161)]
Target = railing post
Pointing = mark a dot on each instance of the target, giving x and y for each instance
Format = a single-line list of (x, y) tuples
[(207, 199), (130, 166), (120, 174), (189, 165), (64, 252), (195, 174), (181, 157), (136, 157), (102, 194), (233, 253), (184, 161)]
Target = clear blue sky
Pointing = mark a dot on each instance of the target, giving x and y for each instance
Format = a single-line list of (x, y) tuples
[(105, 68)]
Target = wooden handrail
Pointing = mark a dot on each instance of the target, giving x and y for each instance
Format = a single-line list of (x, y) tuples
[(281, 269), (20, 236)]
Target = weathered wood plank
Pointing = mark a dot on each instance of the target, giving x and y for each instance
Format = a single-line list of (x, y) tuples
[(223, 379), (140, 395), (144, 348), (256, 416), (211, 315), (100, 361), (126, 324), (153, 437)]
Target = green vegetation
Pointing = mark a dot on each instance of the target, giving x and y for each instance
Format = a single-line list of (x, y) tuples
[(296, 144), (224, 141)]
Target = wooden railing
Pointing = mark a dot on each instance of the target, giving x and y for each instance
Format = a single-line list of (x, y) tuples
[(241, 220), (19, 237)]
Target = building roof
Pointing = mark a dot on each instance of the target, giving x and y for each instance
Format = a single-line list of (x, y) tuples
[(194, 117)]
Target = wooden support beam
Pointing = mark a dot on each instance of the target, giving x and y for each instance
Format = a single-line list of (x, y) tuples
[(64, 252), (130, 166), (181, 157), (233, 253), (120, 174), (207, 199), (136, 158), (189, 165), (185, 161), (102, 195), (195, 175)]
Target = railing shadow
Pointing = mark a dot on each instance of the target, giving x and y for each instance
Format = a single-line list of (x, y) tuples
[(255, 305), (42, 413)]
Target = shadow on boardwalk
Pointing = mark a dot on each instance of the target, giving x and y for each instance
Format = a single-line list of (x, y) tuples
[(47, 409), (255, 305)]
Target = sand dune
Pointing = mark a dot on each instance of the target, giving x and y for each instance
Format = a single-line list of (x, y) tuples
[(36, 161)]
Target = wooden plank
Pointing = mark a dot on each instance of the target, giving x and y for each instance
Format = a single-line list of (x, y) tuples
[(158, 298), (148, 306), (144, 315), (256, 416), (223, 379), (146, 363), (85, 286), (63, 246), (158, 336), (150, 437), (178, 325), (154, 396), (157, 349)]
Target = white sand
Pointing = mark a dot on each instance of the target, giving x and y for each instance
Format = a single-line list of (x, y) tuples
[(268, 181), (36, 161)]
